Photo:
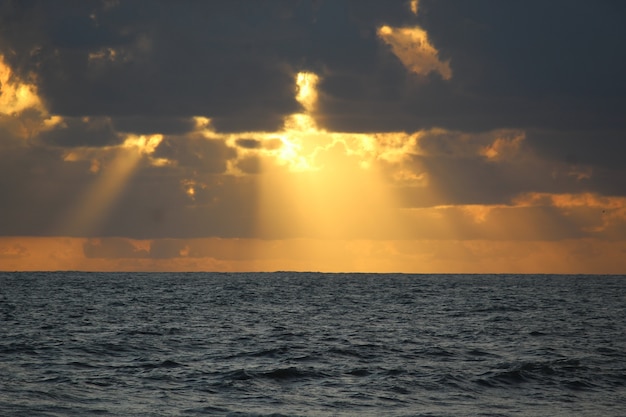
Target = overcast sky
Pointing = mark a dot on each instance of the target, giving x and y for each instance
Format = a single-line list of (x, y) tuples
[(330, 135)]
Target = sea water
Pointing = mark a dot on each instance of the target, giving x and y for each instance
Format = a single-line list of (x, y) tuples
[(311, 344)]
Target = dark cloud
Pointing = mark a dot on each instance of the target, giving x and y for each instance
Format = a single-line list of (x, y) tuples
[(253, 120), (533, 49), (137, 58), (598, 148), (454, 144), (526, 65), (36, 187), (208, 155), (153, 125), (249, 143), (92, 132)]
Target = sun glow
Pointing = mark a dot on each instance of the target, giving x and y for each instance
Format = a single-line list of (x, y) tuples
[(306, 92), (145, 144), (321, 184), (16, 95)]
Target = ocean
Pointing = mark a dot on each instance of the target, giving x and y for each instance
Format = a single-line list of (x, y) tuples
[(311, 344)]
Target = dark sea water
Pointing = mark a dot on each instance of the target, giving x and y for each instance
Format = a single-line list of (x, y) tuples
[(308, 344)]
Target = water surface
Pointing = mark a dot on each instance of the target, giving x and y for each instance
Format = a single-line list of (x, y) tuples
[(309, 344)]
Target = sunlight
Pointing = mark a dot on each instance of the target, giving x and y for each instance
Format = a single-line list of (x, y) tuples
[(412, 46), (15, 94), (145, 144), (306, 92), (92, 207), (322, 184), (112, 176), (22, 112)]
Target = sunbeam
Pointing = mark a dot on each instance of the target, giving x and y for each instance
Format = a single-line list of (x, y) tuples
[(91, 208), (321, 184)]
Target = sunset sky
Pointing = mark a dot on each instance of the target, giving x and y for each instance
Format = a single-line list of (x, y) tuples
[(432, 136)]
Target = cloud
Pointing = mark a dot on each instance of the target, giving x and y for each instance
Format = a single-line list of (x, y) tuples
[(36, 186), (168, 248), (129, 61), (518, 50), (77, 132), (432, 256), (599, 148), (208, 155), (235, 62), (412, 47), (16, 95), (112, 248), (250, 165), (14, 251), (248, 143), (154, 125)]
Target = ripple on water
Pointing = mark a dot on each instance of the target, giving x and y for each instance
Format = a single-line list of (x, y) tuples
[(309, 344)]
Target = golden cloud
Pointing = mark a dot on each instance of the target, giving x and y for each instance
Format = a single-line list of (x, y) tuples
[(412, 46), (16, 95)]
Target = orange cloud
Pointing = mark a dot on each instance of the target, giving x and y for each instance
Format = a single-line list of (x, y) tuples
[(502, 148)]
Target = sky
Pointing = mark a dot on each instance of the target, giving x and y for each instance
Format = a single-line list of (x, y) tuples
[(430, 136)]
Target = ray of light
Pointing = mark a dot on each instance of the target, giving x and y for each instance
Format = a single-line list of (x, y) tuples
[(321, 184), (84, 217)]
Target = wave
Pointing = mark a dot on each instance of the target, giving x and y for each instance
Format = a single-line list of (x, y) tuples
[(568, 373), (277, 374)]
